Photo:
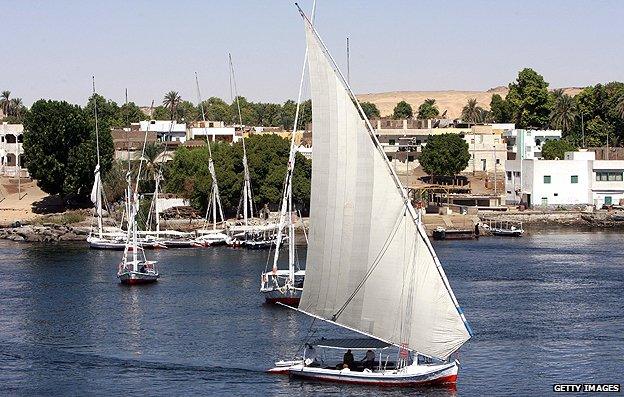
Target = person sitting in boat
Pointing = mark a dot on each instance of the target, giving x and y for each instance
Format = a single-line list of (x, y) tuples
[(348, 359), (369, 359), (143, 269), (310, 356)]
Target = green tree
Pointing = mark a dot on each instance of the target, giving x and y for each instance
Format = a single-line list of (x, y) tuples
[(248, 113), (161, 113), (472, 113), (131, 113), (108, 111), (428, 109), (267, 157), (529, 100), (171, 101), (500, 110), (555, 149), (444, 154), (402, 110), (187, 112), (5, 101), (216, 110), (59, 141), (370, 110), (563, 115)]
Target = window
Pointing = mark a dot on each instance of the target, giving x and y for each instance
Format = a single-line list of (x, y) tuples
[(556, 194), (608, 200), (497, 161), (574, 179), (538, 142), (389, 158), (392, 142), (612, 176), (410, 158), (508, 175), (546, 178)]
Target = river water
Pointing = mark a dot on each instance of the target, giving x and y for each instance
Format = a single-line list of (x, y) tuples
[(545, 308)]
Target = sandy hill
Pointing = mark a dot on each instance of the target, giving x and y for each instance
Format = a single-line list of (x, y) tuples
[(451, 101)]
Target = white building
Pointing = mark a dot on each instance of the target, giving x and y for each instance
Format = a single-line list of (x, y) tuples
[(575, 180), (530, 140), (167, 130), (214, 131), (11, 148)]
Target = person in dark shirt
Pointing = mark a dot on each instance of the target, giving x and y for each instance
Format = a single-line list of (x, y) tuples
[(369, 359), (348, 359)]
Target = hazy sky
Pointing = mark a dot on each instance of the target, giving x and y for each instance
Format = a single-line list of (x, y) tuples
[(50, 49)]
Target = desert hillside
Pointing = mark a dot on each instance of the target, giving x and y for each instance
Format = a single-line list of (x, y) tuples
[(451, 101)]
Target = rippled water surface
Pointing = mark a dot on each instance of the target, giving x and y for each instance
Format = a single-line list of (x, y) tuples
[(544, 308)]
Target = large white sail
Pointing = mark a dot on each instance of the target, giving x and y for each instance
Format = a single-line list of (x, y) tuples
[(369, 267)]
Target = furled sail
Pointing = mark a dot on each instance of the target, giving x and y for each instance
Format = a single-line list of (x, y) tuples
[(370, 267), (96, 191)]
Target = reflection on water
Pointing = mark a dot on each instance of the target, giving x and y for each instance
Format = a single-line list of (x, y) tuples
[(545, 308)]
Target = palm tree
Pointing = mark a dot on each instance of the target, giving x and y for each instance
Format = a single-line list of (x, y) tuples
[(564, 113), (4, 100), (150, 154), (619, 108), (171, 101), (15, 107), (471, 112)]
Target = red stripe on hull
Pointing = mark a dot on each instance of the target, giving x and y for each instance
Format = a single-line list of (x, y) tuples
[(135, 281), (449, 381), (286, 301)]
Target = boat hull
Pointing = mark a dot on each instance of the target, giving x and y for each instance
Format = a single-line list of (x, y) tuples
[(137, 278), (104, 244), (414, 375), (290, 297)]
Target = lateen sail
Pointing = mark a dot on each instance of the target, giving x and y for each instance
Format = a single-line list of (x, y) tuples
[(369, 265)]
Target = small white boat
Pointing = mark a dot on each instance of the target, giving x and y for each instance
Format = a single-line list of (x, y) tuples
[(277, 287), (106, 243), (138, 272), (211, 238)]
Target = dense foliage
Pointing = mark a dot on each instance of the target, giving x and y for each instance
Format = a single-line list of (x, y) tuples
[(590, 118), (556, 149), (402, 110), (428, 109), (444, 155), (370, 110), (267, 155), (60, 147)]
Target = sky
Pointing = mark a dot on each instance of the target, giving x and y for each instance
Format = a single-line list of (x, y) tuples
[(50, 49)]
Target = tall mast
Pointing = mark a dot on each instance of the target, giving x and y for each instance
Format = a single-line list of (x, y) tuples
[(247, 198), (214, 191), (97, 149), (287, 195)]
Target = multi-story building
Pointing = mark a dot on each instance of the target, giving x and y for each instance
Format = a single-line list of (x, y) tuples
[(166, 130), (575, 180), (528, 143), (11, 149), (403, 142), (214, 131)]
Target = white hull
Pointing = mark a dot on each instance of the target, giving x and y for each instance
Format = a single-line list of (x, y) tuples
[(412, 375), (106, 244)]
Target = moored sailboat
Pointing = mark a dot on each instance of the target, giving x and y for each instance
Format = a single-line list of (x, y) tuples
[(370, 266), (211, 236), (285, 285)]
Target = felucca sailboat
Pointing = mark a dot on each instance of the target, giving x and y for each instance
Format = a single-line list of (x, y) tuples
[(134, 267), (101, 238), (285, 285), (370, 266), (213, 236)]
